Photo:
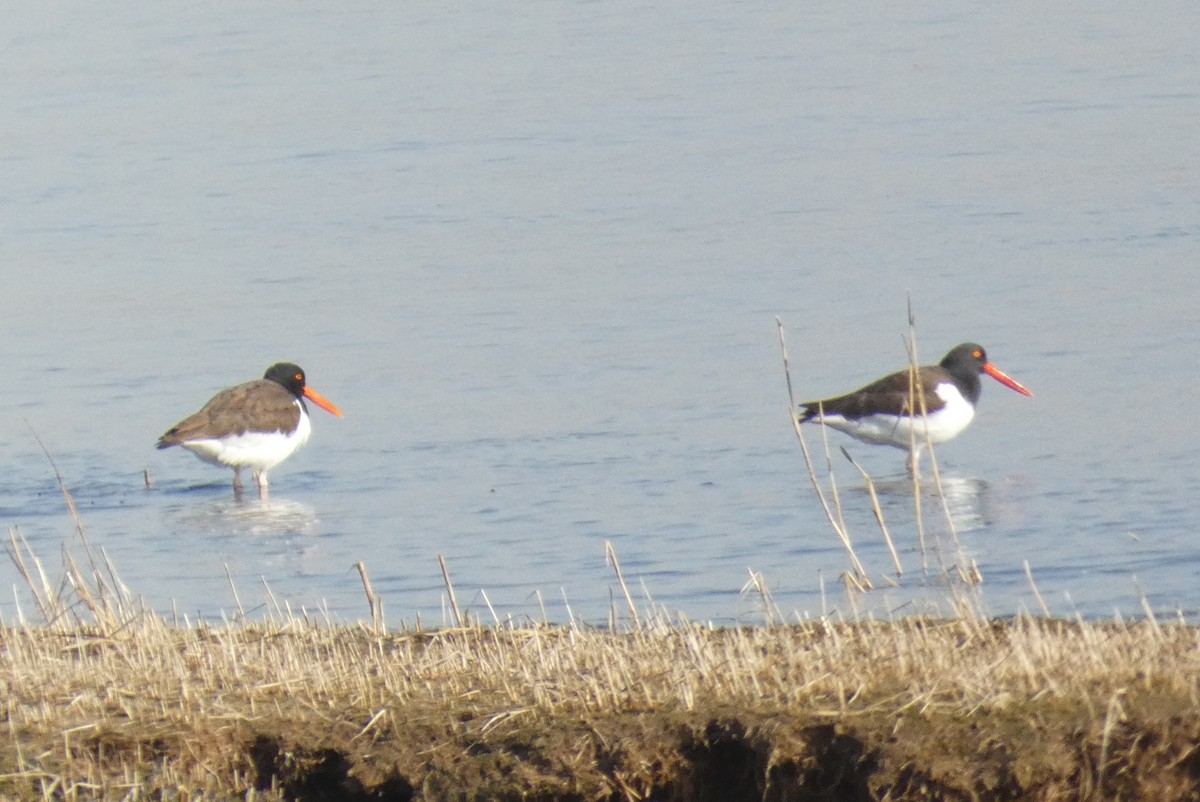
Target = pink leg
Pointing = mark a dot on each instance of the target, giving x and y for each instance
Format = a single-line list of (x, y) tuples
[(914, 457)]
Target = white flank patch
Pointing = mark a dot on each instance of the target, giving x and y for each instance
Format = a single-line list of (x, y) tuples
[(258, 450), (897, 430)]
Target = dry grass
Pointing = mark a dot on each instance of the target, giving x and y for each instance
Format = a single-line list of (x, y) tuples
[(131, 706)]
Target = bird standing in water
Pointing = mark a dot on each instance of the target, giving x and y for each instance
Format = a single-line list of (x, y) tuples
[(255, 425), (888, 411)]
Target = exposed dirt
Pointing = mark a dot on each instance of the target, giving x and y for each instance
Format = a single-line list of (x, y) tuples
[(678, 757)]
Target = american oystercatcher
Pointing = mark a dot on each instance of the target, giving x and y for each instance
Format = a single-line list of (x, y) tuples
[(254, 425), (888, 411)]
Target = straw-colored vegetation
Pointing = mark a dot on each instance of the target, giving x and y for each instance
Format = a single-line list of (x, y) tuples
[(130, 706)]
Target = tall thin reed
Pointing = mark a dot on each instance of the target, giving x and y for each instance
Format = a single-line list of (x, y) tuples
[(458, 618), (836, 521)]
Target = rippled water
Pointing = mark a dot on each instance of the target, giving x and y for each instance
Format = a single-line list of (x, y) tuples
[(537, 258)]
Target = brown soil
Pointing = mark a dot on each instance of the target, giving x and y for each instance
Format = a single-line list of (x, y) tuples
[(685, 758)]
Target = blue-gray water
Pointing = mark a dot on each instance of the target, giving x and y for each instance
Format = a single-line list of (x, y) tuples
[(537, 254)]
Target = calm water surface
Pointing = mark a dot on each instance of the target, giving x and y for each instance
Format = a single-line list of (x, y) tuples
[(537, 258)]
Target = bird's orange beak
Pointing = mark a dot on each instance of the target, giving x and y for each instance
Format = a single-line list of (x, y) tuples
[(320, 400), (1005, 379)]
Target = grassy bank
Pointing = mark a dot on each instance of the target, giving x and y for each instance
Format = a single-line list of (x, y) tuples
[(914, 709)]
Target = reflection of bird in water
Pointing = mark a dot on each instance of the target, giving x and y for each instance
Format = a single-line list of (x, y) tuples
[(888, 411), (966, 498), (254, 425), (237, 517)]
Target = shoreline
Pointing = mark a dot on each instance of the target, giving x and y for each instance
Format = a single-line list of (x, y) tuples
[(1025, 708)]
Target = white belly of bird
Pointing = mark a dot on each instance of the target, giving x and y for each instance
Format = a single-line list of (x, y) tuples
[(898, 430), (258, 450)]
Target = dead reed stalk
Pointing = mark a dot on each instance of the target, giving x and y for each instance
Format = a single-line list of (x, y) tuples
[(458, 617), (610, 556), (838, 521)]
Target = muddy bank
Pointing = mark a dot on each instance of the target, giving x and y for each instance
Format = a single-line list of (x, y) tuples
[(749, 758), (922, 710)]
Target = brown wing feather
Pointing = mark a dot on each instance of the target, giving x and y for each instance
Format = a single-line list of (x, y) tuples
[(259, 405), (889, 395)]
